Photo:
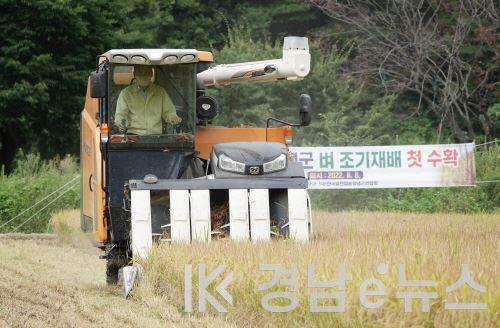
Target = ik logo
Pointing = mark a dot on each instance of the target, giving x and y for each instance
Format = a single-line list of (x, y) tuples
[(204, 281)]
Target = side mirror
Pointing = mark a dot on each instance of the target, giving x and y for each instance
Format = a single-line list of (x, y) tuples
[(98, 83), (305, 108)]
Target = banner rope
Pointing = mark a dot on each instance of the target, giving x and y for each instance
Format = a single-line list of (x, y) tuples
[(488, 181), (41, 200), (487, 143), (47, 205)]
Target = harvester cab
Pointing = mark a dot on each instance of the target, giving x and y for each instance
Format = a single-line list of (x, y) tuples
[(155, 170)]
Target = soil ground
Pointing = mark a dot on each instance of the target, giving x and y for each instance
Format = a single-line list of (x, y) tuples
[(45, 282)]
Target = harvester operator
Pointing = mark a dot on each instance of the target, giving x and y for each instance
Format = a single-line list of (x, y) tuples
[(143, 106)]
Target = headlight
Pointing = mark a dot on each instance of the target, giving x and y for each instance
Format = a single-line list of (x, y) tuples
[(120, 59), (138, 59), (169, 59), (279, 163), (187, 58), (227, 164)]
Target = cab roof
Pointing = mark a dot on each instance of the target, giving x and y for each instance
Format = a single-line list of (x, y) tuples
[(157, 56)]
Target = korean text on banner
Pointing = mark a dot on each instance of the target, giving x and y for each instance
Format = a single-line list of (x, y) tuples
[(387, 166)]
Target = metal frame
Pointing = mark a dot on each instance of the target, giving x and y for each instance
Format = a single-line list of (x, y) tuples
[(203, 184)]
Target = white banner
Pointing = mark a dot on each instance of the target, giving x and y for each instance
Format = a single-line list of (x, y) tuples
[(387, 166)]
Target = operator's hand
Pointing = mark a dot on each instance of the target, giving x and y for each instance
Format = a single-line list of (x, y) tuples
[(174, 119), (122, 128)]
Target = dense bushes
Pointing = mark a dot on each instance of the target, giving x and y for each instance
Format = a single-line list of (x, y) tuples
[(31, 181)]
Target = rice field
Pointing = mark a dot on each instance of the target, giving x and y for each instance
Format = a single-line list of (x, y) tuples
[(58, 279), (433, 249)]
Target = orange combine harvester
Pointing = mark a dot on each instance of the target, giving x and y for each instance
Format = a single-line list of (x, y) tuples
[(142, 188)]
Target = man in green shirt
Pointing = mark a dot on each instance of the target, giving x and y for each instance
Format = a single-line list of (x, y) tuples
[(143, 106)]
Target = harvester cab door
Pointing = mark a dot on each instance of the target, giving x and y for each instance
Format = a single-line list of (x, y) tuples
[(89, 183), (92, 208)]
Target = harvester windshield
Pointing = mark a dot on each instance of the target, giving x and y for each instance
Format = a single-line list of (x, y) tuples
[(158, 115)]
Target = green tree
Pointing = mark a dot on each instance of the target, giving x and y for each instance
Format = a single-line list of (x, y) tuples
[(278, 18), (173, 24), (47, 50)]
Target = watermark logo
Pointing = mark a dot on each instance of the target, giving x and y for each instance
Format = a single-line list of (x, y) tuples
[(204, 280), (326, 295)]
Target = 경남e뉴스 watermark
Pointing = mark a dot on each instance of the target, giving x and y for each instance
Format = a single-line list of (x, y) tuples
[(324, 295)]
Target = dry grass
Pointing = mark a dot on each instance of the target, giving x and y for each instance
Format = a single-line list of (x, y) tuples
[(66, 226), (29, 236), (432, 247), (60, 282)]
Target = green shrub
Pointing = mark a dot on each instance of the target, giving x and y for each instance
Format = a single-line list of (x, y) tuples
[(30, 182)]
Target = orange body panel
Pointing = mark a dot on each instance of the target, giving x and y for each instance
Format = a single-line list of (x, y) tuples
[(87, 158), (206, 137), (91, 172), (205, 56)]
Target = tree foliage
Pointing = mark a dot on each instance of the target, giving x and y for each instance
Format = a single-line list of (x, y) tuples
[(48, 49), (444, 51), (172, 24), (46, 52)]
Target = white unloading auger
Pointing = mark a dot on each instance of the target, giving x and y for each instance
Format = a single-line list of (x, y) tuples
[(265, 191), (295, 65)]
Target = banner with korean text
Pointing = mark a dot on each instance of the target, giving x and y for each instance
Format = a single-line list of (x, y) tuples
[(388, 166)]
